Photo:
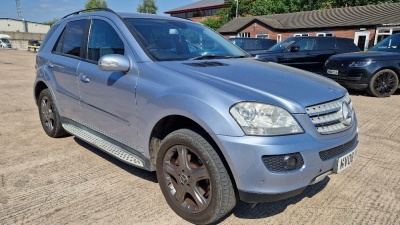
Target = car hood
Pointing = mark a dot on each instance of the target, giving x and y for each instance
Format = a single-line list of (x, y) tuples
[(374, 55), (272, 83)]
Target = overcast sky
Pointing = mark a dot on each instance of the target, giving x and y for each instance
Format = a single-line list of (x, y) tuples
[(46, 10)]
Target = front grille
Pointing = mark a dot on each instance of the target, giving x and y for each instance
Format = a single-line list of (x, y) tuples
[(336, 64), (330, 153), (328, 117), (275, 163)]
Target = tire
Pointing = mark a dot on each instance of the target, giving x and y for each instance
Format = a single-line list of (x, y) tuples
[(49, 117), (199, 188), (383, 83)]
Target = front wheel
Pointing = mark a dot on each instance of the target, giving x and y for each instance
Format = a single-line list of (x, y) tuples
[(193, 178), (383, 83)]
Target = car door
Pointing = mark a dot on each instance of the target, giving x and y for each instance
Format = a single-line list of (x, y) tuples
[(326, 47), (107, 98), (66, 56), (300, 54)]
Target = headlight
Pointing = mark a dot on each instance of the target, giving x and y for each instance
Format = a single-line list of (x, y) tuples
[(264, 120), (361, 63)]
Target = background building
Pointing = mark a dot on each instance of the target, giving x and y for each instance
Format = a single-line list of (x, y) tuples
[(199, 10), (367, 25), (21, 31)]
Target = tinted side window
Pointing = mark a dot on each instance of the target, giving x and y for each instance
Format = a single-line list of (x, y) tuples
[(71, 38), (252, 44), (347, 44), (103, 40), (48, 35), (326, 44), (306, 44)]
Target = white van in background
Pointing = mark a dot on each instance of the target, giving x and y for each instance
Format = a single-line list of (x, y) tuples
[(4, 41)]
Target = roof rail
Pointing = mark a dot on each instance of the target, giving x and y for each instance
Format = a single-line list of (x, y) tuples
[(90, 10)]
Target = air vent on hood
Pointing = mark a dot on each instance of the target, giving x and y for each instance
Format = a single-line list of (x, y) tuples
[(206, 64)]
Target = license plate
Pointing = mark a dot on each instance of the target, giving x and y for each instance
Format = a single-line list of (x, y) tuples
[(332, 72), (344, 162)]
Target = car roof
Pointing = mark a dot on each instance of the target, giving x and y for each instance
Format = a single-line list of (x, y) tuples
[(108, 12)]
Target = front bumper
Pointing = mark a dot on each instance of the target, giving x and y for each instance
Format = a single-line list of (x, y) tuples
[(256, 183), (353, 78)]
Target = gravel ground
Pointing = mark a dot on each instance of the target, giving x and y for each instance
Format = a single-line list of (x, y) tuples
[(66, 181)]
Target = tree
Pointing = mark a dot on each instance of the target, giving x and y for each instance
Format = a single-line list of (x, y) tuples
[(266, 7), (51, 22), (148, 6), (90, 4), (214, 23)]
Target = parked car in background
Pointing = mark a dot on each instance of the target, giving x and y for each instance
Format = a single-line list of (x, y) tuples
[(253, 46), (377, 70), (216, 125), (33, 44), (308, 53), (4, 41)]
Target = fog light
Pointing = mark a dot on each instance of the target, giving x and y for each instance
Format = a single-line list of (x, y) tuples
[(283, 163), (290, 162)]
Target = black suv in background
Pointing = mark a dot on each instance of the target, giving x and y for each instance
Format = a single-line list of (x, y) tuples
[(308, 53), (377, 70), (253, 46)]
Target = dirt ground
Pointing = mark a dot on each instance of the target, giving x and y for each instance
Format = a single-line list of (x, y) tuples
[(65, 181)]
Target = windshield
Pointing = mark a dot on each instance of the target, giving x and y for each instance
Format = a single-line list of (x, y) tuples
[(282, 45), (167, 40), (5, 40), (389, 44)]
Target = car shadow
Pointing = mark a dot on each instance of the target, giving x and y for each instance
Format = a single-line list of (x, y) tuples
[(264, 210), (144, 174), (242, 210)]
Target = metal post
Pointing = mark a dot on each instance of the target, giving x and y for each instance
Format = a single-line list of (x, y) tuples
[(237, 7)]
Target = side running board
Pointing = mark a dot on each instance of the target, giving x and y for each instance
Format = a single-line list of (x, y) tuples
[(104, 145)]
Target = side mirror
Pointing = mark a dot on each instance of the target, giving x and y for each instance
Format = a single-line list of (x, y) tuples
[(295, 49), (114, 63)]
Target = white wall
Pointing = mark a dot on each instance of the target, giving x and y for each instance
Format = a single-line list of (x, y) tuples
[(12, 25)]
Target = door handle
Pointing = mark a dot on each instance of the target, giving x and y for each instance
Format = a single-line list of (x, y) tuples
[(84, 78)]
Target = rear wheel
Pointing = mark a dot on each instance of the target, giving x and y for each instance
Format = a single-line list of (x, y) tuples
[(193, 178), (49, 117), (383, 83)]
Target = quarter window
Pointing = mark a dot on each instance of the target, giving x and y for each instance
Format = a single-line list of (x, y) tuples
[(103, 40), (70, 41)]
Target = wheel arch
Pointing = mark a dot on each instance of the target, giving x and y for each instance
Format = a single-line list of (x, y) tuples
[(172, 123), (388, 67), (39, 87)]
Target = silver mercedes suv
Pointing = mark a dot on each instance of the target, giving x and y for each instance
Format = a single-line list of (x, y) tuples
[(172, 96)]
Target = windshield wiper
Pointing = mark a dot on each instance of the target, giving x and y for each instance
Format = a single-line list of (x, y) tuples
[(211, 56)]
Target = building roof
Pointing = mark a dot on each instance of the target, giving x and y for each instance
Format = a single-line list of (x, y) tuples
[(368, 15), (198, 5)]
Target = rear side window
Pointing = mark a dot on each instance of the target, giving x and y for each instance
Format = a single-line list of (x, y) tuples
[(252, 45), (103, 40), (348, 44), (326, 44), (48, 35), (70, 41)]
